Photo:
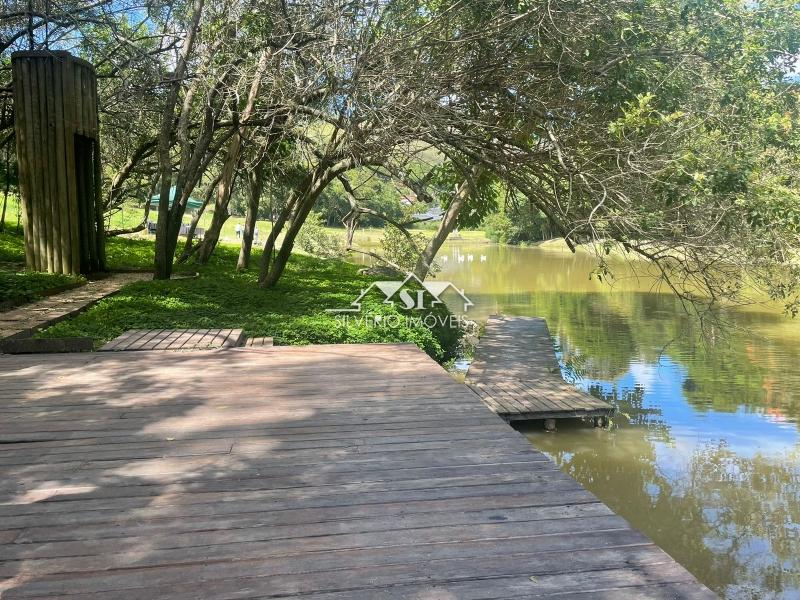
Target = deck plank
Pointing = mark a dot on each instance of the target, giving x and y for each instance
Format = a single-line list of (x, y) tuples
[(516, 374), (332, 472), (175, 339)]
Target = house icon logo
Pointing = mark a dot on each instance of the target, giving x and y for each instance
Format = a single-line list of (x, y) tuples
[(409, 297)]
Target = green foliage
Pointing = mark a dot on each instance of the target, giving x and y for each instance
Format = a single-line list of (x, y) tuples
[(373, 191), (12, 248), (499, 228), (25, 286), (527, 226), (293, 313), (396, 247), (639, 116), (315, 239), (445, 178)]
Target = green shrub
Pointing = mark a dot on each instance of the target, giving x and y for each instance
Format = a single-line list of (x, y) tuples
[(499, 228), (525, 225), (314, 239), (396, 247)]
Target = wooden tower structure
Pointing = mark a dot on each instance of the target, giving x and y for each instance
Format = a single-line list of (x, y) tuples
[(58, 150)]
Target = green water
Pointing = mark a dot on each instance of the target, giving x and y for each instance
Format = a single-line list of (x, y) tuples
[(703, 454)]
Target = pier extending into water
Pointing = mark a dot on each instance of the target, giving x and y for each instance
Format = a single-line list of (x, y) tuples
[(515, 372), (357, 472)]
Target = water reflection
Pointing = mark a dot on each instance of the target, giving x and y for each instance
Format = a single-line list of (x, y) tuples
[(704, 452)]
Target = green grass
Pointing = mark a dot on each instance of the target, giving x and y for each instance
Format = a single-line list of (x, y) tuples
[(122, 253), (18, 285), (12, 249), (293, 313), (25, 286), (131, 215)]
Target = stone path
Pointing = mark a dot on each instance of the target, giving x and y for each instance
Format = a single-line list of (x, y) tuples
[(24, 321)]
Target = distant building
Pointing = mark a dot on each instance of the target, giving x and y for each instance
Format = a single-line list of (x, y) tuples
[(434, 213)]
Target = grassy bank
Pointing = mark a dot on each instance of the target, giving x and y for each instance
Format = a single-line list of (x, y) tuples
[(132, 215), (17, 285), (220, 297), (293, 313)]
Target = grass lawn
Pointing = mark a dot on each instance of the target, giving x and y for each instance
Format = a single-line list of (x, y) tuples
[(293, 313), (131, 215), (18, 286), (220, 297)]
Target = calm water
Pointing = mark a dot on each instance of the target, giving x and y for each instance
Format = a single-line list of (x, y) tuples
[(703, 454)]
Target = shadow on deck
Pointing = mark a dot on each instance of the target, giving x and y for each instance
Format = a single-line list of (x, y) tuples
[(327, 472)]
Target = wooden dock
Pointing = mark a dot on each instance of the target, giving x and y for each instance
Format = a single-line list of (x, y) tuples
[(516, 373), (321, 472), (175, 339)]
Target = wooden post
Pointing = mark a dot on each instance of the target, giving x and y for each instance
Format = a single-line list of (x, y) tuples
[(58, 150)]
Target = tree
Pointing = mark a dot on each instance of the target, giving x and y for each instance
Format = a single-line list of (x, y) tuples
[(658, 127), (667, 130)]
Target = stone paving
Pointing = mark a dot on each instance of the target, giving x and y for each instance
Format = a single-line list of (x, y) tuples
[(24, 321)]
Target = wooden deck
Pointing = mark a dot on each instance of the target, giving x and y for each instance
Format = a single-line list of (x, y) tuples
[(323, 472), (516, 373), (175, 339)]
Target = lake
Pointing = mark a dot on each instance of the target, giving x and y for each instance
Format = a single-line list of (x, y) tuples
[(703, 454)]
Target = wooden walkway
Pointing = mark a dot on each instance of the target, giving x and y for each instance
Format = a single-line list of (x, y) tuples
[(322, 472), (516, 373), (175, 339)]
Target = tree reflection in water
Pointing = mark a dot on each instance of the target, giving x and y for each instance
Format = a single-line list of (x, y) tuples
[(732, 519)]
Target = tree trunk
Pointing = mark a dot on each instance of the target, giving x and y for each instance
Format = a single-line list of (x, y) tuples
[(189, 248), (256, 180), (277, 267), (3, 216), (446, 226), (312, 187), (272, 238), (7, 186), (224, 189), (225, 186), (166, 233), (350, 221)]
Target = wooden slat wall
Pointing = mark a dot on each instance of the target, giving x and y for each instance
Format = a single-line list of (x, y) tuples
[(55, 99)]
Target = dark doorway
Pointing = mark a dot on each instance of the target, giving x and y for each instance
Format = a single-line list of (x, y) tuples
[(85, 185)]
